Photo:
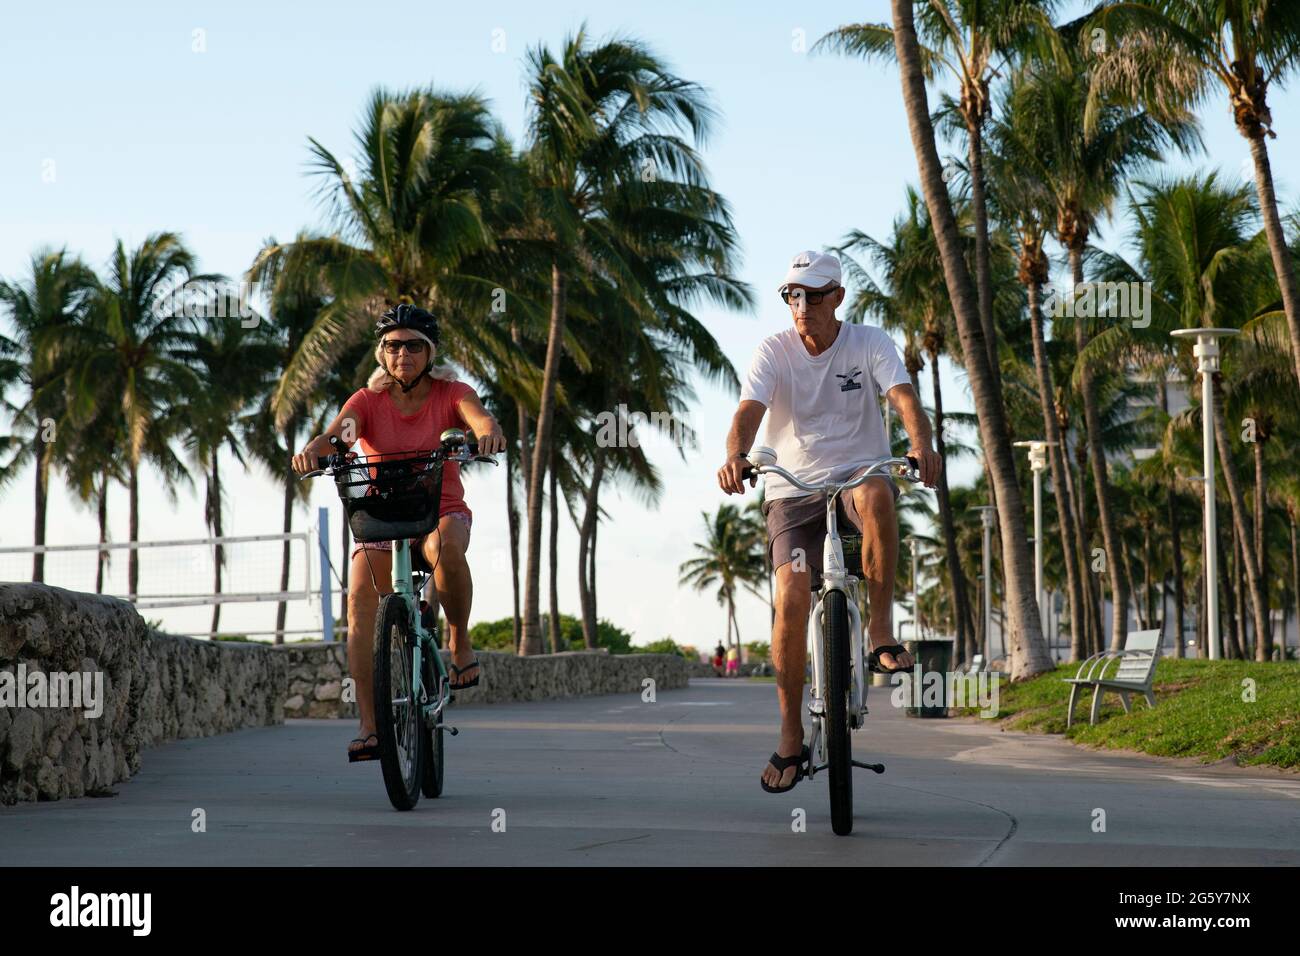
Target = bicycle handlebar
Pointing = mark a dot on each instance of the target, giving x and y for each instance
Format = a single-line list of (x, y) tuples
[(467, 453), (910, 467)]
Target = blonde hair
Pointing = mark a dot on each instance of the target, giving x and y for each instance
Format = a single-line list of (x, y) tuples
[(381, 379)]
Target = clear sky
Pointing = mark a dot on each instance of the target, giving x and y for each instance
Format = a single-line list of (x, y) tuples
[(194, 116)]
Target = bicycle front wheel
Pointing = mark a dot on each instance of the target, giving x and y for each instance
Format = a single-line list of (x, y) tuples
[(839, 755), (398, 723)]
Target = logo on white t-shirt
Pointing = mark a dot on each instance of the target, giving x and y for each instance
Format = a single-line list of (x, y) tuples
[(849, 382)]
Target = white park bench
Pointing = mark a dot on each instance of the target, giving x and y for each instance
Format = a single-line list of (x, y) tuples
[(1137, 668)]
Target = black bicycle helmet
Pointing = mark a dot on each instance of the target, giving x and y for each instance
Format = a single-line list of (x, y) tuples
[(406, 316)]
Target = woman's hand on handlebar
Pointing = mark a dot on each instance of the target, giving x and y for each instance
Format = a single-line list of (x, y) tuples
[(494, 441), (731, 476), (307, 460)]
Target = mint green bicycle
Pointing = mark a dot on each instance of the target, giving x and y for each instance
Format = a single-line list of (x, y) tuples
[(395, 497)]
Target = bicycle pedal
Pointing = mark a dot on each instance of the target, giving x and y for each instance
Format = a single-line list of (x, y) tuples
[(877, 767)]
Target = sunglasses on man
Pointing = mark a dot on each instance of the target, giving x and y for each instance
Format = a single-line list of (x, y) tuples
[(812, 298), (414, 346)]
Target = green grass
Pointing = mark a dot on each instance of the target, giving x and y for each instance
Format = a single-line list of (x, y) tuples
[(1199, 712)]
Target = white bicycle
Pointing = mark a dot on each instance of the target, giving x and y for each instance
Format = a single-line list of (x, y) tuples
[(838, 700)]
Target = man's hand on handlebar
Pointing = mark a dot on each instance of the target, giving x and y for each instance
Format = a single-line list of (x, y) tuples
[(929, 463), (731, 476)]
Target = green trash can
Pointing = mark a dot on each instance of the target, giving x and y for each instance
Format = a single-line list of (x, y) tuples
[(934, 656)]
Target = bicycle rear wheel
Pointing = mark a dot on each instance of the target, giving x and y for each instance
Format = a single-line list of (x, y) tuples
[(431, 737), (398, 723), (839, 755)]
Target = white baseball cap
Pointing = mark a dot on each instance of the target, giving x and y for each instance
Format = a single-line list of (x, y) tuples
[(812, 269)]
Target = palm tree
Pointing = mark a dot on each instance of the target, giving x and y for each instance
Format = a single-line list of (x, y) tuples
[(1204, 271), (1026, 203), (964, 39), (609, 172), (130, 358), (45, 311), (910, 301), (1169, 54), (1028, 651), (404, 230), (1082, 167), (728, 557), (231, 361)]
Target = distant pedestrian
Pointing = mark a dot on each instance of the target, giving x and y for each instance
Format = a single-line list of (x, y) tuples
[(719, 656), (733, 662)]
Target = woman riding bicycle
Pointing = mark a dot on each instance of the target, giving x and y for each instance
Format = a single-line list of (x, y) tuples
[(404, 407)]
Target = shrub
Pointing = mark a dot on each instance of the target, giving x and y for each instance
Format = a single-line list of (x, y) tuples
[(500, 635)]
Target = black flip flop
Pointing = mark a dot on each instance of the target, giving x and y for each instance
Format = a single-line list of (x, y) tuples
[(365, 752), (785, 763), (460, 670), (873, 659)]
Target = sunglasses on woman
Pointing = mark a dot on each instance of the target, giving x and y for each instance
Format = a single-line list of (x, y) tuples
[(394, 346)]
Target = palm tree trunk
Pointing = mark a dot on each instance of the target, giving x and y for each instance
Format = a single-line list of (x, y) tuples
[(1055, 457), (1137, 600), (531, 640), (101, 558), (1175, 535), (1028, 651), (214, 498), (1227, 623), (1264, 640), (960, 597), (1148, 588), (1087, 576), (512, 521), (1119, 584), (555, 558), (1240, 637), (1202, 629), (591, 573), (983, 271), (1089, 621), (42, 493), (1259, 605), (735, 625), (133, 522), (1277, 245), (289, 488), (1295, 583), (586, 545)]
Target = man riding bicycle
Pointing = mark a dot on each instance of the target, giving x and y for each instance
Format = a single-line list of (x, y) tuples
[(820, 379), (405, 406)]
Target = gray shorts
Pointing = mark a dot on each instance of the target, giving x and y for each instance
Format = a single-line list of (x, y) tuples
[(796, 527)]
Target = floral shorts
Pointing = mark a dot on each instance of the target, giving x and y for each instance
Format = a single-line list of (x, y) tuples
[(417, 556)]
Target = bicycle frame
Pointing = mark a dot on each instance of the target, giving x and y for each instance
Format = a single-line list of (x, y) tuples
[(425, 640), (835, 577)]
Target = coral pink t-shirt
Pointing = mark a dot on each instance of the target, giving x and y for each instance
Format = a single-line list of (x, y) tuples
[(383, 430)]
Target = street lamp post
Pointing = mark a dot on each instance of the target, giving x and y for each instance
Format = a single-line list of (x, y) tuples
[(986, 518), (1038, 464), (1206, 351)]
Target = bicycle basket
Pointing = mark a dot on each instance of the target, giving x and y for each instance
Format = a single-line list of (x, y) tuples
[(391, 497)]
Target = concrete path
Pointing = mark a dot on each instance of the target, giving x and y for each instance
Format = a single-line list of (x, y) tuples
[(614, 781)]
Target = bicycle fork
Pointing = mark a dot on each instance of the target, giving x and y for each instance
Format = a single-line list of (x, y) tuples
[(857, 704)]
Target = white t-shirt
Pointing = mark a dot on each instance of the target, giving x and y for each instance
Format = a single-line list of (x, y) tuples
[(824, 420)]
